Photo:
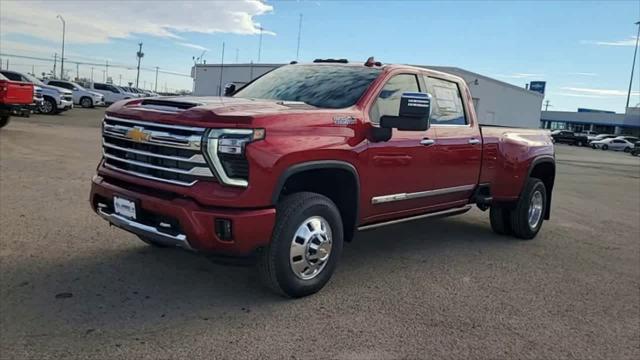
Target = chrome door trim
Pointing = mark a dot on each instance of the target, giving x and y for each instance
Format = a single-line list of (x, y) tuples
[(408, 196), (454, 211)]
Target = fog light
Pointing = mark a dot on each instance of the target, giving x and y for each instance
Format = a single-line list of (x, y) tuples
[(223, 229)]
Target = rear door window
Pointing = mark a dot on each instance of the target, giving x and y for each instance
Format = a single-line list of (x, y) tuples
[(446, 102)]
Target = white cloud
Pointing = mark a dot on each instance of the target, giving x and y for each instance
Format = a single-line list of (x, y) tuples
[(631, 41), (590, 92), (583, 73), (519, 76), (98, 22), (193, 46)]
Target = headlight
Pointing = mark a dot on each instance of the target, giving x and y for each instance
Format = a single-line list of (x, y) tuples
[(226, 153)]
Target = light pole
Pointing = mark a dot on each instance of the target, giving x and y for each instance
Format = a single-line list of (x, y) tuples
[(260, 44), (64, 30), (633, 66)]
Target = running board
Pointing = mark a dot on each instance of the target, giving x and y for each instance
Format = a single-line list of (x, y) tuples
[(448, 212)]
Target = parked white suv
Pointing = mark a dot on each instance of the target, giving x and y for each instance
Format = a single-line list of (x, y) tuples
[(81, 96), (56, 99), (111, 92)]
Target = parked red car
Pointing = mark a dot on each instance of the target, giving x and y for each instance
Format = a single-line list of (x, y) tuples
[(13, 96), (293, 164)]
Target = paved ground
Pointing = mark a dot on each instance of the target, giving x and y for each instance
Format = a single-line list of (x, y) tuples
[(71, 287)]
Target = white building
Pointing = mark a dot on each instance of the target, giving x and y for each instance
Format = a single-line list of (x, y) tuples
[(496, 102)]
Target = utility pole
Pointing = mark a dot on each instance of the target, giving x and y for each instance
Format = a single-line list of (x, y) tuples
[(33, 70), (106, 67), (139, 55), (77, 71), (104, 76), (221, 69), (156, 84), (64, 30), (92, 74), (260, 44), (119, 79), (635, 53), (55, 62), (546, 105), (299, 35)]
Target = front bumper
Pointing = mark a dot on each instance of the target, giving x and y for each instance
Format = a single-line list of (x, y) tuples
[(65, 105), (179, 221)]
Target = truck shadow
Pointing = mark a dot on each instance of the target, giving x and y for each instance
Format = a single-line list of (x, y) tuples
[(140, 286)]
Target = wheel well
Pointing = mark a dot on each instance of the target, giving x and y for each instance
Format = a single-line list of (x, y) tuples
[(339, 185), (546, 172), (86, 97)]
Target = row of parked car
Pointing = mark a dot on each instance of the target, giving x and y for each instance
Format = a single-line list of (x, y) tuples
[(52, 96), (598, 141)]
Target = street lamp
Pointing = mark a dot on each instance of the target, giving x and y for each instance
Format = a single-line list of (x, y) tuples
[(633, 66), (64, 29)]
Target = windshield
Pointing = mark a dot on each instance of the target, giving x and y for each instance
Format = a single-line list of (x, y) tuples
[(33, 80), (325, 86)]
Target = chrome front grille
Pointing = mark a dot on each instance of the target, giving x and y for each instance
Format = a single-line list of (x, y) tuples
[(155, 151)]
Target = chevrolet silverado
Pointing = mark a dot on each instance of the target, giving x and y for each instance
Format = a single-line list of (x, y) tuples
[(291, 165)]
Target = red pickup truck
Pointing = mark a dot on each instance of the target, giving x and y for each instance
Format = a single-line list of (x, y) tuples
[(290, 166), (14, 95)]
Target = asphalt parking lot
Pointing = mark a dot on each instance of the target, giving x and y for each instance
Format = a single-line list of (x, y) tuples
[(72, 287)]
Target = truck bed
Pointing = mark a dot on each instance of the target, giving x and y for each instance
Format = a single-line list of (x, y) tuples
[(507, 155), (15, 92)]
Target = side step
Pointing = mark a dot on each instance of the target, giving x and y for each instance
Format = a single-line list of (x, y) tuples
[(448, 212)]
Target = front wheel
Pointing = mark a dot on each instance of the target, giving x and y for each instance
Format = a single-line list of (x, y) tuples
[(627, 149), (527, 217), (48, 106), (580, 143), (4, 120), (305, 246), (86, 102)]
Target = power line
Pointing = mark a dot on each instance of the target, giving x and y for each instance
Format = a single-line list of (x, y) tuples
[(112, 65)]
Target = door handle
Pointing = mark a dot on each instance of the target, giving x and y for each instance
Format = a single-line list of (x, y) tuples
[(427, 142), (474, 141)]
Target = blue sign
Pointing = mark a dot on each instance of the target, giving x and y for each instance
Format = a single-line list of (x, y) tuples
[(538, 86)]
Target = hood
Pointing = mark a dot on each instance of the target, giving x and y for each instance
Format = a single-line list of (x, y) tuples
[(203, 111), (55, 88)]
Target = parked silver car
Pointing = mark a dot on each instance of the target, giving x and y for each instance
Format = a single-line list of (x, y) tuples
[(613, 144)]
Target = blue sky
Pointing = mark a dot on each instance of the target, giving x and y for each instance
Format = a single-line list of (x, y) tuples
[(583, 50)]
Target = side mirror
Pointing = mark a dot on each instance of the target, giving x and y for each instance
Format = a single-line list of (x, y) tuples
[(229, 89), (414, 113)]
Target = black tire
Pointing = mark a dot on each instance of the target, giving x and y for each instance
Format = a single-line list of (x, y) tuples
[(151, 242), (605, 147), (86, 102), (4, 120), (500, 220), (49, 106), (627, 149), (274, 260), (580, 143), (520, 215), (593, 146)]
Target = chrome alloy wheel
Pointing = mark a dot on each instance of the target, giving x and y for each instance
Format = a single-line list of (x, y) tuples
[(46, 107), (310, 248), (535, 209)]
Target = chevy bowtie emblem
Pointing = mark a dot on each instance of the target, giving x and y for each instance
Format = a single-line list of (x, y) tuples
[(138, 135)]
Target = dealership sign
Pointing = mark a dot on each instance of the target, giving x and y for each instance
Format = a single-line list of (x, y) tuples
[(538, 86)]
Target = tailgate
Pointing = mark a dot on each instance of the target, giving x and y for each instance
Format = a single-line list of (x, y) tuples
[(16, 93)]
